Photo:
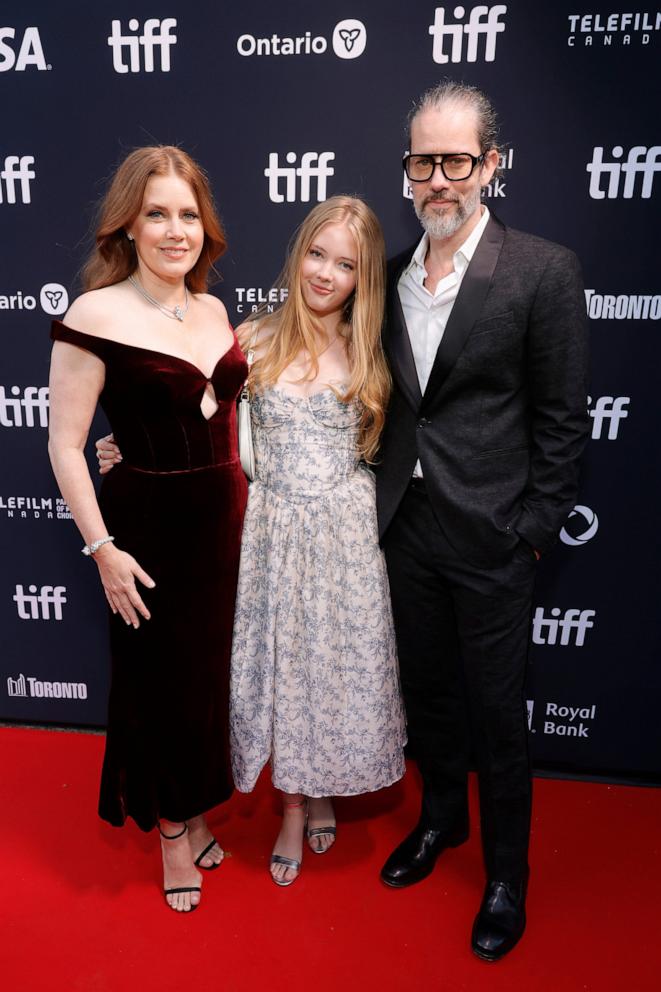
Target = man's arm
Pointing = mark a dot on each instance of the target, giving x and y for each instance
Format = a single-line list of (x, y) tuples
[(557, 381)]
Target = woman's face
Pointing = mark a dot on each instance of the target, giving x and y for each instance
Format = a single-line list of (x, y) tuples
[(328, 270), (168, 232)]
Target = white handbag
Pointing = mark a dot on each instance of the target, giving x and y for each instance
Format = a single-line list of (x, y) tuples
[(244, 426)]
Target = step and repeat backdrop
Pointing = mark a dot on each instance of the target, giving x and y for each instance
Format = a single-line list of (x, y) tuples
[(285, 104)]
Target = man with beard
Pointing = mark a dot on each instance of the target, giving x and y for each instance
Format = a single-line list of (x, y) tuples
[(486, 337)]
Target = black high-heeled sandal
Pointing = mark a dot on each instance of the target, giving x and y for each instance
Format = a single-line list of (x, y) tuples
[(187, 888), (202, 854)]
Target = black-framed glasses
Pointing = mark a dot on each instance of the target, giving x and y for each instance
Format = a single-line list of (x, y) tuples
[(455, 166)]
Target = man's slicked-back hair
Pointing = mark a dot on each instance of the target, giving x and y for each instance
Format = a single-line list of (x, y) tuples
[(462, 95)]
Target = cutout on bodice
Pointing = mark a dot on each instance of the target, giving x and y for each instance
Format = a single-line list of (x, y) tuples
[(209, 404)]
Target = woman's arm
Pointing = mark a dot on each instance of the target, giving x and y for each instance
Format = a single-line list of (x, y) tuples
[(76, 381)]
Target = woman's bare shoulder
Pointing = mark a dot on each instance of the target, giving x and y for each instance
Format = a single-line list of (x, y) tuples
[(92, 312), (212, 303)]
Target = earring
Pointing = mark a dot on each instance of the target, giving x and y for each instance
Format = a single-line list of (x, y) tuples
[(130, 237)]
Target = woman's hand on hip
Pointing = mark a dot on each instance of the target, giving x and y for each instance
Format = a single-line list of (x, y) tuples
[(107, 453)]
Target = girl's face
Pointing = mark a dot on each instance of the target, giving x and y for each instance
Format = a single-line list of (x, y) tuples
[(328, 270), (168, 231)]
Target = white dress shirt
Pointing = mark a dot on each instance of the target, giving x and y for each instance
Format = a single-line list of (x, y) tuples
[(427, 314)]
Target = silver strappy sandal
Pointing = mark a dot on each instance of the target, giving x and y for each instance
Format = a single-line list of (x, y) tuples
[(280, 859)]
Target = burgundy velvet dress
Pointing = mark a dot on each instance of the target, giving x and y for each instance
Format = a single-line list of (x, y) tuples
[(176, 503)]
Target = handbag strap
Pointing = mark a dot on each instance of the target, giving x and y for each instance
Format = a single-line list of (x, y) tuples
[(250, 358)]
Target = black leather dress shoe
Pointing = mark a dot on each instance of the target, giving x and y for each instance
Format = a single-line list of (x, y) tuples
[(501, 921), (416, 856)]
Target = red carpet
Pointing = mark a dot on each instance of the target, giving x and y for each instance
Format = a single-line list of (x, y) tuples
[(81, 908)]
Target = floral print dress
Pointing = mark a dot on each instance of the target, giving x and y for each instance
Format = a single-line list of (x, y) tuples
[(314, 679)]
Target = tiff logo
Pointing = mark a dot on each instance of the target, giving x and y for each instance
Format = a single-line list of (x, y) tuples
[(633, 167), (17, 687), (314, 165), (610, 409), (483, 20), (30, 51), (33, 605), (19, 412), (16, 170), (545, 629), (156, 34)]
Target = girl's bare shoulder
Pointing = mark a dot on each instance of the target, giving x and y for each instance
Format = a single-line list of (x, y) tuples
[(255, 334)]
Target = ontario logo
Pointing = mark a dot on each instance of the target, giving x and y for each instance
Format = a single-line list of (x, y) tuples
[(53, 298), (348, 41)]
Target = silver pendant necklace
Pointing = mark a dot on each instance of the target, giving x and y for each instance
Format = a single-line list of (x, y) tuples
[(174, 313)]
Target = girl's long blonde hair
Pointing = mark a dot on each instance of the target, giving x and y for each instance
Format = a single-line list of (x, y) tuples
[(295, 323)]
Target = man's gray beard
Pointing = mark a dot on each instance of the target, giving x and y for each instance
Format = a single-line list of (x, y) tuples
[(439, 226)]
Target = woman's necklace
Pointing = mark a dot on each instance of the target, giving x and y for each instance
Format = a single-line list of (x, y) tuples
[(174, 313)]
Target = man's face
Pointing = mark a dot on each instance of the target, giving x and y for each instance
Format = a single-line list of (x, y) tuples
[(444, 207)]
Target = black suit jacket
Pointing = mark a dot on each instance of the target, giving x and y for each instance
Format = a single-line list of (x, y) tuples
[(503, 420)]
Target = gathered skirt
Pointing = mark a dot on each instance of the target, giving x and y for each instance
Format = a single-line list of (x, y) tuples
[(314, 678)]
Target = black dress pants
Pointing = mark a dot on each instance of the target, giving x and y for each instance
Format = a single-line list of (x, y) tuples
[(462, 637)]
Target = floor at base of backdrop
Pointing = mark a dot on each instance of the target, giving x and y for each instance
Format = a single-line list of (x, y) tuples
[(81, 909)]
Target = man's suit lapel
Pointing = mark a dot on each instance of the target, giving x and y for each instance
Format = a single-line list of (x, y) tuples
[(467, 306), (396, 339)]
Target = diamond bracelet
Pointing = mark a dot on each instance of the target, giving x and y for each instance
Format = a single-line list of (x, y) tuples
[(91, 549)]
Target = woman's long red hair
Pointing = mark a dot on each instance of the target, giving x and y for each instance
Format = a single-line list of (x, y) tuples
[(114, 258)]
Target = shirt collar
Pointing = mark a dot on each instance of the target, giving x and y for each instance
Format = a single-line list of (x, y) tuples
[(466, 250)]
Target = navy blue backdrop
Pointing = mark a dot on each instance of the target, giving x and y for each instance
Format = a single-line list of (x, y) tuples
[(285, 104)]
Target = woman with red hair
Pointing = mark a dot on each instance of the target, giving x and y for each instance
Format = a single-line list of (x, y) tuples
[(147, 342)]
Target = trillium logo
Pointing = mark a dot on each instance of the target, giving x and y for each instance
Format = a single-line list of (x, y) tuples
[(349, 39), (54, 298), (590, 523)]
